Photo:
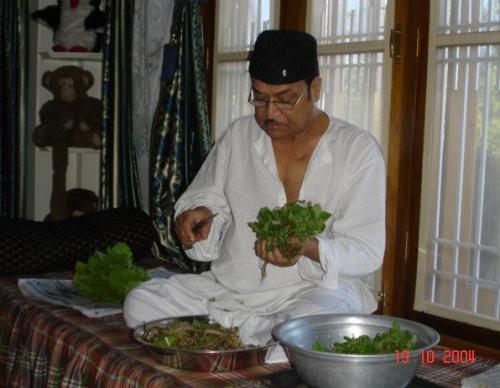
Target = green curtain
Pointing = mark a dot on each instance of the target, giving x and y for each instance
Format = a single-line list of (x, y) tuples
[(181, 134), (119, 184), (13, 127)]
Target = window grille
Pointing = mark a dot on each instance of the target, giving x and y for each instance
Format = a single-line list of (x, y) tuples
[(342, 21)]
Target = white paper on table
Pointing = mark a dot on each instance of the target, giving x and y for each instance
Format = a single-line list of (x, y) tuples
[(63, 293)]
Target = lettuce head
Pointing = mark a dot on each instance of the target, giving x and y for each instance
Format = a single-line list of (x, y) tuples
[(108, 276)]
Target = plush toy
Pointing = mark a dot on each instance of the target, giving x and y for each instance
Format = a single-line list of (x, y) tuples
[(78, 202), (70, 119), (77, 24)]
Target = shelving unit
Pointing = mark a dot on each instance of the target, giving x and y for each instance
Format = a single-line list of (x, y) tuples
[(70, 56), (83, 163)]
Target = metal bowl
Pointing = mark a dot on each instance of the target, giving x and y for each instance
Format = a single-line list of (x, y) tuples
[(320, 369), (202, 360)]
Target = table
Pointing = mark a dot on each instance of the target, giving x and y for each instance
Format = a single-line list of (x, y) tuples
[(47, 345)]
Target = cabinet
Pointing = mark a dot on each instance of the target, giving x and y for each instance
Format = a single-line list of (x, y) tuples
[(83, 163)]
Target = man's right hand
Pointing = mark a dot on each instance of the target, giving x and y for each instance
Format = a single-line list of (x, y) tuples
[(185, 222)]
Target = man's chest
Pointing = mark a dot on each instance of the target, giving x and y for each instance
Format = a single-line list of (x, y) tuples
[(291, 172)]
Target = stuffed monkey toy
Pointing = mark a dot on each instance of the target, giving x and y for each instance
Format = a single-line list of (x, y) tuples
[(70, 119), (78, 202)]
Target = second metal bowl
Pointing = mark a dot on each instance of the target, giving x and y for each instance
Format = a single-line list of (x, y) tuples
[(202, 360)]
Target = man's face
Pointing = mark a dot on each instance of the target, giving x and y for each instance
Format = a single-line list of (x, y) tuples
[(281, 123)]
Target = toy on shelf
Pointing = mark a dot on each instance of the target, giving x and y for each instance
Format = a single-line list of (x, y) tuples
[(77, 24), (70, 119), (78, 202)]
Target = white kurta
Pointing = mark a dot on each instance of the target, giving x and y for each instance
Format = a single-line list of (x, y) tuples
[(345, 175)]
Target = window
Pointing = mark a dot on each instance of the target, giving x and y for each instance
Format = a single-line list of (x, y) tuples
[(238, 24), (459, 256)]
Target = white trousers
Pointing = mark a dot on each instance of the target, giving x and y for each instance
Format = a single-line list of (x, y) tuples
[(254, 314)]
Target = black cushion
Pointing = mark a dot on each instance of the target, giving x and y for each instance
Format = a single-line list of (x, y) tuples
[(30, 247)]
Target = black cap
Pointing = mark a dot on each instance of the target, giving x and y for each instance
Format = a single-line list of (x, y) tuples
[(283, 57)]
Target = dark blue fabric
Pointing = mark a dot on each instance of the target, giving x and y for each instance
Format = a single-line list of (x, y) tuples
[(117, 97), (169, 62), (13, 132)]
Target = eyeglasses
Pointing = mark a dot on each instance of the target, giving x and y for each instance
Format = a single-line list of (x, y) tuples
[(282, 105)]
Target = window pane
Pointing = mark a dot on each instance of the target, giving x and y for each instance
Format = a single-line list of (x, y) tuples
[(487, 298), (351, 89), (445, 259), (233, 83), (336, 21), (489, 266), (240, 21), (462, 16), (466, 220), (444, 290), (464, 295)]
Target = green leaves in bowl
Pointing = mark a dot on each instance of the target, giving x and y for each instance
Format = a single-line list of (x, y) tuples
[(195, 335), (383, 343), (108, 276)]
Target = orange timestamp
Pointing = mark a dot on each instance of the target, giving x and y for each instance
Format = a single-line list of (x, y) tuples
[(448, 356)]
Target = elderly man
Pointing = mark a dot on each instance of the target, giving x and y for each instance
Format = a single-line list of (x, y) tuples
[(289, 150)]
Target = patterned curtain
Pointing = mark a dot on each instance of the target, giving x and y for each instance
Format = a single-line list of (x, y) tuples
[(13, 127), (119, 179), (181, 134), (152, 22)]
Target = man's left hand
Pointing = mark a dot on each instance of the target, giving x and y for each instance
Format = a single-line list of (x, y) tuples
[(274, 256), (308, 248)]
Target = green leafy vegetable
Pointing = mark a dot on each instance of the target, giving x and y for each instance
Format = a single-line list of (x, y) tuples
[(108, 277), (287, 226), (386, 342), (319, 347), (297, 220)]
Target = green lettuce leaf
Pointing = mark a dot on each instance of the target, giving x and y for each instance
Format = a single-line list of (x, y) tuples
[(108, 277)]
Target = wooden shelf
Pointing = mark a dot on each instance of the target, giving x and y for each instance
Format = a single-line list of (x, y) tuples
[(71, 56), (73, 150)]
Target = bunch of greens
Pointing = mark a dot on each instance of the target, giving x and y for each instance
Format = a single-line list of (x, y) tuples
[(287, 227), (195, 335), (386, 342), (283, 226), (108, 277)]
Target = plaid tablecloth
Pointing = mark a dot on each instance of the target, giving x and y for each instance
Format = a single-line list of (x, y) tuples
[(446, 372), (42, 345)]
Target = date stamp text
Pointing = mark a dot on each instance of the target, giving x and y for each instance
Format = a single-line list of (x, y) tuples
[(448, 356)]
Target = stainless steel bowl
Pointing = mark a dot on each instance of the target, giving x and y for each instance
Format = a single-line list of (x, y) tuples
[(320, 369), (202, 360)]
